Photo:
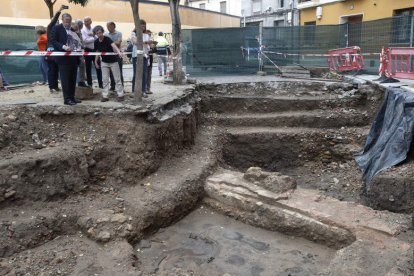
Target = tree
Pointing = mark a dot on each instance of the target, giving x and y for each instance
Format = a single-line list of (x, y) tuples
[(51, 3), (176, 35), (139, 43)]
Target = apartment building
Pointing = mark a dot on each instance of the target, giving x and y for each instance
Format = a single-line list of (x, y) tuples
[(156, 13), (269, 13), (232, 7), (326, 12)]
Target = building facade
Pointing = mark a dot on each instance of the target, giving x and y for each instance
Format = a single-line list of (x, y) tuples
[(269, 13), (232, 7), (327, 12), (157, 14)]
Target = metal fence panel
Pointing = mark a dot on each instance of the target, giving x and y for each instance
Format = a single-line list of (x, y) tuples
[(19, 70), (217, 50)]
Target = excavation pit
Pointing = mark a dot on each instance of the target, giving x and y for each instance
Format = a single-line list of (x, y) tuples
[(160, 190), (208, 243)]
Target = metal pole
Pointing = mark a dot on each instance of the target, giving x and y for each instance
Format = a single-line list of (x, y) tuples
[(412, 31), (411, 43), (347, 34), (260, 46)]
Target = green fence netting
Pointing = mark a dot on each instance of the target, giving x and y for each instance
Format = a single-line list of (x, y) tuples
[(235, 50), (18, 70)]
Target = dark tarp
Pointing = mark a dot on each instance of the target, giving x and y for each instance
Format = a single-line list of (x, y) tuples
[(389, 139)]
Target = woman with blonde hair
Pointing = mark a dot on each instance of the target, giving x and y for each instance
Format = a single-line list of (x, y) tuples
[(42, 46)]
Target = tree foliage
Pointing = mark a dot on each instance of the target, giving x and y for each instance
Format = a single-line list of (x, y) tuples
[(51, 3), (83, 3)]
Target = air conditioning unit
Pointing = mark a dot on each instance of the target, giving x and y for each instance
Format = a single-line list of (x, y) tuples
[(318, 12)]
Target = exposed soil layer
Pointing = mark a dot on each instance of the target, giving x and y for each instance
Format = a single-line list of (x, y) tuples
[(310, 131), (81, 186)]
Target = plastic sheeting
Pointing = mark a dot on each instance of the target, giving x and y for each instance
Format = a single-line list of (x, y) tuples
[(390, 137)]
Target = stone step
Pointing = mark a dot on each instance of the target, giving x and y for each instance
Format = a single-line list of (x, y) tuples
[(264, 104), (230, 188), (311, 119), (275, 148), (43, 174)]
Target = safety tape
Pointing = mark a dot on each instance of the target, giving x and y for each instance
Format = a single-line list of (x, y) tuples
[(319, 55), (51, 53)]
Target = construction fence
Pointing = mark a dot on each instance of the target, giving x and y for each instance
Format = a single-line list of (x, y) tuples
[(244, 50), (18, 70)]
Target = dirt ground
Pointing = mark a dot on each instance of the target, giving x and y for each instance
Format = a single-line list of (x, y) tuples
[(81, 186)]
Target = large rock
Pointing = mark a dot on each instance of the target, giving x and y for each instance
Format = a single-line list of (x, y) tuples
[(272, 181), (84, 93)]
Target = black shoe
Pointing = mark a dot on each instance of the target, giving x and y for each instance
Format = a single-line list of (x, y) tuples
[(58, 89), (82, 84), (104, 99), (70, 102), (76, 101)]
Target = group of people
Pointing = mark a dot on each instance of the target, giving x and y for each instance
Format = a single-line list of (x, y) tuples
[(74, 36)]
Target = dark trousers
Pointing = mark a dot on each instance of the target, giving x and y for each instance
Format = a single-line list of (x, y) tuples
[(144, 75), (120, 62), (89, 60), (52, 73), (149, 77), (68, 74)]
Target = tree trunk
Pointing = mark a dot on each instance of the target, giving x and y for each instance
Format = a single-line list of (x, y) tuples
[(50, 5), (176, 34), (140, 65)]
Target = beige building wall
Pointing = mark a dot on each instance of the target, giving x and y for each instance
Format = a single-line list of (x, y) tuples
[(157, 15), (369, 9)]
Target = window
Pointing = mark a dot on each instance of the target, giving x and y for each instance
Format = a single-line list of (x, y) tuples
[(282, 3), (401, 27), (257, 7), (278, 23), (202, 6), (223, 8)]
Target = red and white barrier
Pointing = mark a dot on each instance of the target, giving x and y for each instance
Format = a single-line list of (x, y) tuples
[(345, 59), (50, 53), (398, 63)]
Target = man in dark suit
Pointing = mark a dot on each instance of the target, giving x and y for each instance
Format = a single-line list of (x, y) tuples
[(63, 40)]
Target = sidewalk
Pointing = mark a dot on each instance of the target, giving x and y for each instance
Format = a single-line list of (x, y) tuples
[(40, 95)]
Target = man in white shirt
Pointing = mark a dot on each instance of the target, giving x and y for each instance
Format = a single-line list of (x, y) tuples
[(89, 39)]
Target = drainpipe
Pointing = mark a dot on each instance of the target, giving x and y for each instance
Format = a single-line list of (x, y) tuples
[(412, 31), (411, 42)]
